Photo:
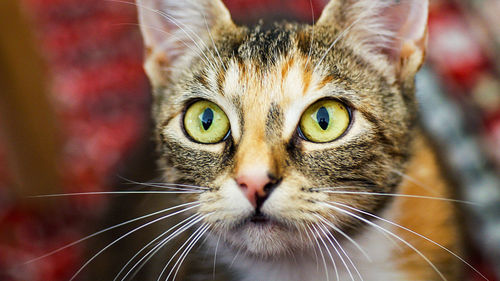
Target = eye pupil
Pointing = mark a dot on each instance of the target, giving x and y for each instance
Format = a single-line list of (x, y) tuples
[(323, 118), (207, 118)]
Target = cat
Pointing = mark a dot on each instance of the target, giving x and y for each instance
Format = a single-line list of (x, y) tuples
[(297, 147)]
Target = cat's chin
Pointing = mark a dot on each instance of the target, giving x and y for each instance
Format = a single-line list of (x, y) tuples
[(263, 237)]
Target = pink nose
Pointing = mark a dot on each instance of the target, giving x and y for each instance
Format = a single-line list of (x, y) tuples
[(255, 185)]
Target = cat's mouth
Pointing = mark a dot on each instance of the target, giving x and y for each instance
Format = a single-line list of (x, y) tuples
[(259, 218)]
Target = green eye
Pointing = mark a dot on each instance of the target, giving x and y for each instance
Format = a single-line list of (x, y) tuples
[(324, 121), (205, 122)]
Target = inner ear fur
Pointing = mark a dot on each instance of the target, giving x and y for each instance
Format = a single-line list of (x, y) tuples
[(174, 29)]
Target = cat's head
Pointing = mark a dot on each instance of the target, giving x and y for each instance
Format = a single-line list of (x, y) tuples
[(272, 120)]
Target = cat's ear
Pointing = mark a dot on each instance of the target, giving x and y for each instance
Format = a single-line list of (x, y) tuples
[(395, 29), (174, 28)]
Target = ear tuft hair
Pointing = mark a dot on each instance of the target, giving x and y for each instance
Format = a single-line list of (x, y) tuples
[(394, 29)]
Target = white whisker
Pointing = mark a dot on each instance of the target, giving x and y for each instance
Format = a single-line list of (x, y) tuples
[(412, 180), (234, 258), (328, 190), (327, 236), (365, 254), (166, 184), (335, 42), (148, 254), (178, 250), (127, 234), (390, 233), (113, 193), (215, 255), (176, 23), (417, 234), (198, 218), (322, 256), (359, 19), (198, 52), (188, 249), (314, 248), (312, 36), (108, 229), (213, 42)]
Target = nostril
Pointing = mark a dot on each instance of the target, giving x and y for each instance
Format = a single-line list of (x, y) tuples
[(269, 187)]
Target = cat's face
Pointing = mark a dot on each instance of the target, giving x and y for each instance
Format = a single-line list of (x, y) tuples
[(273, 120)]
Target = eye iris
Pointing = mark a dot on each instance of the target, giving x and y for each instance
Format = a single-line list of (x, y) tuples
[(323, 118), (324, 121), (207, 118), (204, 122)]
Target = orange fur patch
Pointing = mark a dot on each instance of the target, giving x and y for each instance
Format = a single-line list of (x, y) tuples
[(326, 80), (430, 218)]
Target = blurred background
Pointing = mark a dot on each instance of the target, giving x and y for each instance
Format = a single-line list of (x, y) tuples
[(74, 117)]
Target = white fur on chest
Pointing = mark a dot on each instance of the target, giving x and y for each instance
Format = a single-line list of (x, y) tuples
[(379, 247)]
